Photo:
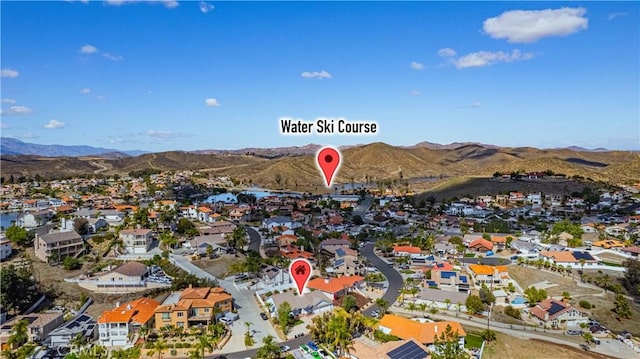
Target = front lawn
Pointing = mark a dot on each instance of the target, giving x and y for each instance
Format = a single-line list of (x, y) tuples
[(473, 341)]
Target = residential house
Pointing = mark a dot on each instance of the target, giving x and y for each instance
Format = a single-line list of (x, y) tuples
[(480, 245), (422, 332), (609, 243), (83, 325), (335, 287), (489, 275), (634, 251), (38, 328), (444, 277), (127, 278), (273, 275), (345, 262), (499, 242), (56, 246), (194, 306), (117, 326), (5, 249), (570, 258), (34, 219), (137, 241), (293, 252), (310, 303), (558, 314), (406, 251), (442, 299)]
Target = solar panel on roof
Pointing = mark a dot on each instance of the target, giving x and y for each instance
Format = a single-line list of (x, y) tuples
[(583, 255), (463, 278), (340, 252), (339, 262), (408, 350), (447, 275), (555, 308)]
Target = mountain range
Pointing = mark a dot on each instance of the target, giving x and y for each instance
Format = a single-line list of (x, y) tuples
[(12, 146), (295, 168)]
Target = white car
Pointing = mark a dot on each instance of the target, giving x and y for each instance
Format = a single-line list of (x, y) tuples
[(226, 320)]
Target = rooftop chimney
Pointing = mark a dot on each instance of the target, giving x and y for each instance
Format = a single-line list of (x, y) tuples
[(326, 280), (435, 328), (117, 304)]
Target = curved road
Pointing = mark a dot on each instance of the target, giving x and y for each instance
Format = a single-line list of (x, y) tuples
[(393, 277)]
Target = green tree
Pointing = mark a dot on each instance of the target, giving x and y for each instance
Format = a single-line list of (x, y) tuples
[(248, 340), (474, 304), (284, 318), (19, 334), (269, 349), (383, 305), (588, 337), (535, 295), (70, 263), (186, 228), (486, 295), (631, 279), (621, 307), (349, 303), (167, 240), (17, 289), (447, 345), (17, 235)]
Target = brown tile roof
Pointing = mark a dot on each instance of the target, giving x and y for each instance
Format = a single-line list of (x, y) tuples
[(131, 269), (334, 285), (422, 332)]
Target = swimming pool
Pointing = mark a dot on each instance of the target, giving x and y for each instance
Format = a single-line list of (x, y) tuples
[(518, 300)]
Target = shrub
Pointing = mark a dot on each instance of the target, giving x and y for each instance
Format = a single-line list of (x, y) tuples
[(174, 352), (512, 312), (170, 345), (186, 345), (584, 304), (179, 346), (148, 345)]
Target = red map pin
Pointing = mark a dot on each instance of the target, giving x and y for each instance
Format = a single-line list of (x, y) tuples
[(300, 271), (328, 161)]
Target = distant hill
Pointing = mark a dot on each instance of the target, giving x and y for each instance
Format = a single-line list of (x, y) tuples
[(295, 168), (12, 146)]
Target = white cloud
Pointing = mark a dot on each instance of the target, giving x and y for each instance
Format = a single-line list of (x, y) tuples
[(8, 100), (525, 26), (170, 4), (54, 124), (316, 75), (415, 93), (486, 58), (85, 91), (205, 8), (18, 110), (212, 102), (112, 57), (617, 14), (100, 97), (88, 49), (447, 52), (473, 105), (3, 125), (10, 73), (416, 65), (165, 135)]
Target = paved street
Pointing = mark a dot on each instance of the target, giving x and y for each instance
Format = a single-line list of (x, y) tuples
[(254, 239), (393, 277)]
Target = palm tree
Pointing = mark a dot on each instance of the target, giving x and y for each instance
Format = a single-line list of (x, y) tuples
[(423, 308), (248, 325), (143, 331), (268, 350), (582, 263), (448, 303), (19, 334), (158, 348), (411, 306), (203, 344), (383, 305)]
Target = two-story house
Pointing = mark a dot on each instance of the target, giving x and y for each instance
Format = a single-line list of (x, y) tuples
[(195, 306), (117, 326), (489, 275), (136, 241), (423, 332), (39, 325), (55, 246)]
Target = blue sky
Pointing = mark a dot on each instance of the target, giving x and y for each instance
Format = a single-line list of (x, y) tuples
[(167, 75)]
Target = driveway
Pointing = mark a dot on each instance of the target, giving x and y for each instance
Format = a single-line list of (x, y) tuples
[(393, 277)]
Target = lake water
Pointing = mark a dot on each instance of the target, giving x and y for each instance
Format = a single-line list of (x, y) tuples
[(257, 192), (7, 218)]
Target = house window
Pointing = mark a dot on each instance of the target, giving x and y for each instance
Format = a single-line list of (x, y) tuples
[(180, 314), (166, 317), (207, 310), (180, 324)]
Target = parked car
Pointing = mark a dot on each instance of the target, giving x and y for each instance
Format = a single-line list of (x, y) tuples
[(375, 314), (226, 320), (263, 316), (574, 332), (299, 335), (284, 348), (305, 349), (313, 346)]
